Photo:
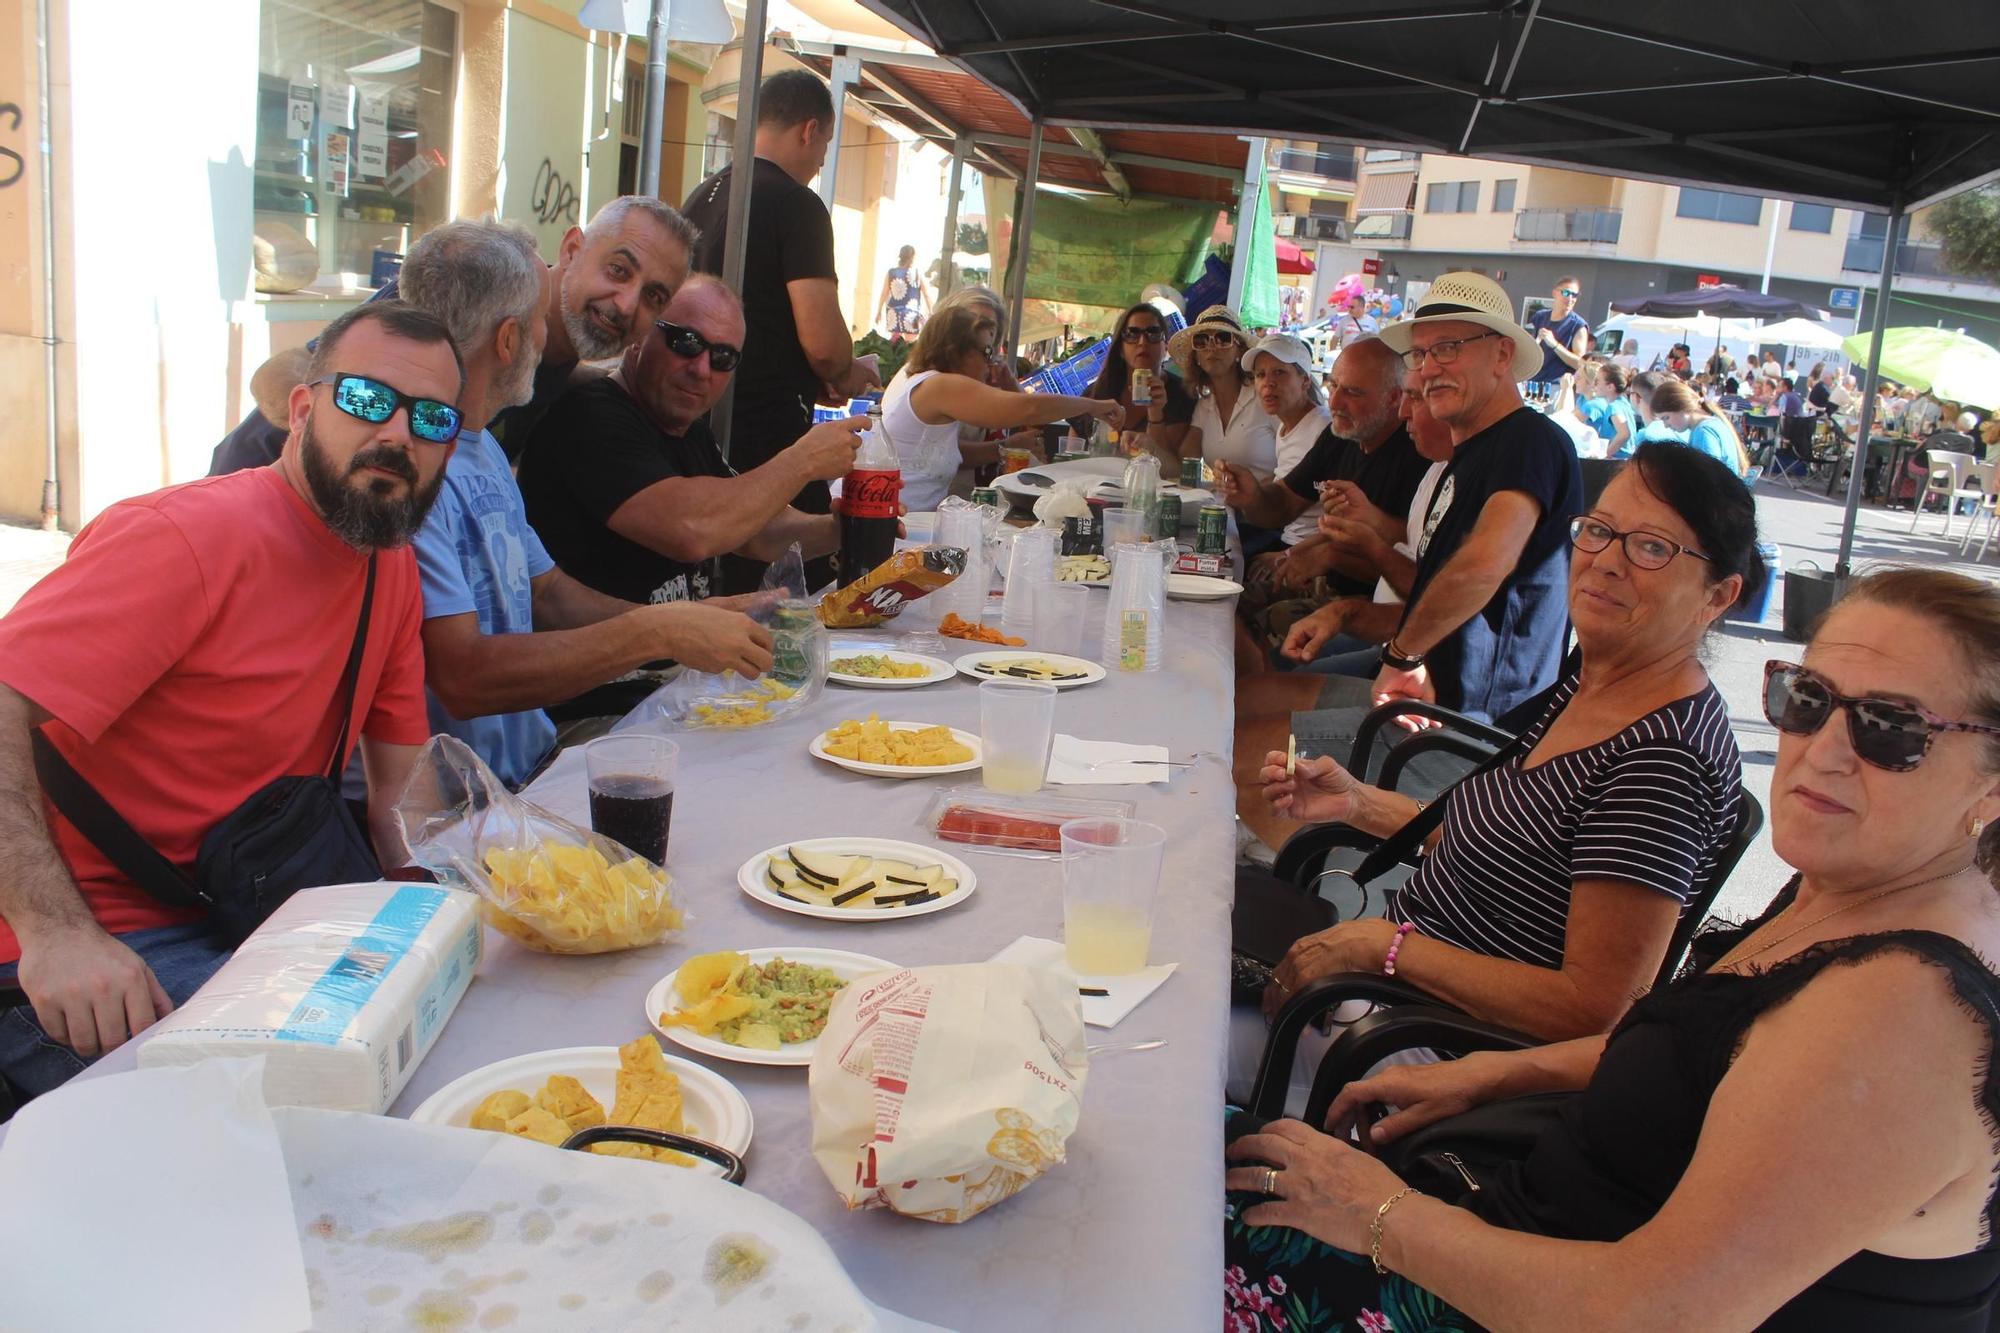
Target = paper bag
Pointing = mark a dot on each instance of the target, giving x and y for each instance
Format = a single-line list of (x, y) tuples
[(937, 1092)]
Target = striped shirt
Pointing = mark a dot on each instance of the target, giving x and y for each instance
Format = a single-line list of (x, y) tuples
[(1652, 805)]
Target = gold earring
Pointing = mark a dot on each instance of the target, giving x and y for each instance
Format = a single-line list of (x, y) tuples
[(1975, 826)]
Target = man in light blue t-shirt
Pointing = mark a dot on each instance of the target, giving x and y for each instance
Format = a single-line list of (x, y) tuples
[(506, 633)]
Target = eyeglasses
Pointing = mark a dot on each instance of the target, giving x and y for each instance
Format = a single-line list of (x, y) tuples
[(374, 402), (1204, 340), (684, 342), (1646, 550), (1887, 733), (1153, 334), (1444, 351), (1571, 292)]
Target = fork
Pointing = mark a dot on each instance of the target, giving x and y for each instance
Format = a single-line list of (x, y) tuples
[(1103, 1047)]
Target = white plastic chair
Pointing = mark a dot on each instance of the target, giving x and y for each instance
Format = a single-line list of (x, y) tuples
[(1986, 515), (1948, 471)]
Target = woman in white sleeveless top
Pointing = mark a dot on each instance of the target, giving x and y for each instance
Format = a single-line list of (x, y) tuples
[(942, 386), (1229, 423)]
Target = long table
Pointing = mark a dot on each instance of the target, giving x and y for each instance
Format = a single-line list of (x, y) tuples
[(1125, 1234)]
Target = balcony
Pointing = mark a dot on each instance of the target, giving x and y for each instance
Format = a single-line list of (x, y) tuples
[(1375, 227), (1568, 226), (1337, 165), (1864, 254), (1308, 227)]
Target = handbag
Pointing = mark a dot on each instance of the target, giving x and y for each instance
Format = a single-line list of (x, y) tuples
[(292, 833), (1455, 1158)]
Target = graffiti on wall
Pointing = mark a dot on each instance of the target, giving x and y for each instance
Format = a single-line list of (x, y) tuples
[(12, 165), (552, 198)]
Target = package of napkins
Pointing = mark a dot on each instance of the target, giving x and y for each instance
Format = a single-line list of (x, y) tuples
[(343, 992)]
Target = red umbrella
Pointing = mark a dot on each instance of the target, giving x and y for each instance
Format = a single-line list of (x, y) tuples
[(1291, 259)]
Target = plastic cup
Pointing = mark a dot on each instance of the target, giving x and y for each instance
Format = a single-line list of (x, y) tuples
[(1017, 728), (1125, 527), (1059, 612), (1111, 877), (632, 791)]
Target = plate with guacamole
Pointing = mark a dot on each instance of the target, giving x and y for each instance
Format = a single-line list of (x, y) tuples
[(755, 1006)]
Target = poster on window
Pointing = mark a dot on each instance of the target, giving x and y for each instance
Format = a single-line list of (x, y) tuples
[(371, 144), (336, 161), (336, 105), (299, 111)]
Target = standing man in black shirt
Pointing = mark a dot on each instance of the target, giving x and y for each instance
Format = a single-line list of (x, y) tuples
[(1564, 334), (797, 348)]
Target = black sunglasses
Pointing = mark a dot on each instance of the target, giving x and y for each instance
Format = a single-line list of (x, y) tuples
[(1887, 733), (374, 402), (1148, 335), (683, 341)]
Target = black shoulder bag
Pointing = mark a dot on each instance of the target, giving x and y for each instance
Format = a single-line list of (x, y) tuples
[(293, 833)]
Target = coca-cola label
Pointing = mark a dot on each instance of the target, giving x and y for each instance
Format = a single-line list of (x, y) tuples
[(871, 494)]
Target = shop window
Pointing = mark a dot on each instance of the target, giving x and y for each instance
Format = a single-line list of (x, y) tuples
[(354, 107), (1719, 206)]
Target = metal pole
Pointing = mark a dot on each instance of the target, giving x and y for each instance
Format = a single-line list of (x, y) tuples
[(1888, 276), (1770, 248), (1246, 213), (656, 99), (846, 71), (742, 165), (948, 265), (1024, 231), (51, 400)]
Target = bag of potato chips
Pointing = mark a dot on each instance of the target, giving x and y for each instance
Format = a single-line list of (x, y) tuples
[(540, 879), (937, 1092), (885, 590)]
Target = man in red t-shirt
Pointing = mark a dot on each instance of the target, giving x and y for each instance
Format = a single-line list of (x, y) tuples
[(189, 652)]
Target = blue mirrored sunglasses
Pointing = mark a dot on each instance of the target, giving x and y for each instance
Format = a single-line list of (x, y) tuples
[(375, 402)]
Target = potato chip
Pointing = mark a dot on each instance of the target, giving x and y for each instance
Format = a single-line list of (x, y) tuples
[(875, 742), (560, 897)]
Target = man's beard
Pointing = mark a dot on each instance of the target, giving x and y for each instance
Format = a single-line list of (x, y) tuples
[(591, 343), (359, 515), (521, 391), (1363, 428)]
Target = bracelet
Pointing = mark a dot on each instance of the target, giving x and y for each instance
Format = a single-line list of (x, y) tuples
[(1392, 656), (1375, 1227), (1396, 947)]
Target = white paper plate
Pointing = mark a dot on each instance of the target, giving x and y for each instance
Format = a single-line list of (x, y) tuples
[(713, 1110), (970, 663), (750, 877), (936, 669), (1201, 588), (847, 966), (965, 738)]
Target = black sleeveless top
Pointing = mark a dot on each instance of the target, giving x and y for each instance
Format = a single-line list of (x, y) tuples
[(1626, 1139)]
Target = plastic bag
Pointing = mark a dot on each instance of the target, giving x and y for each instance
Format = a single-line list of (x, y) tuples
[(1068, 498), (696, 699), (540, 879)]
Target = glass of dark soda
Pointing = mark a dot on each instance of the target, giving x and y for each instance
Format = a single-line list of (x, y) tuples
[(632, 791)]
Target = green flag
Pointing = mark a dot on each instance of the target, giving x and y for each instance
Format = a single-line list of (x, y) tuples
[(1260, 280), (1103, 252)]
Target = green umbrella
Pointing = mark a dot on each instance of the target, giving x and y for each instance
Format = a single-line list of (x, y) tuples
[(1944, 361)]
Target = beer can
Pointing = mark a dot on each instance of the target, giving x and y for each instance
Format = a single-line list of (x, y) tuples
[(1170, 517), (1191, 473), (794, 625), (986, 495), (1142, 388), (1211, 533)]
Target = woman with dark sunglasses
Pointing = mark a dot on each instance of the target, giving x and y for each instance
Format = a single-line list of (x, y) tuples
[(1802, 1132), (1139, 342)]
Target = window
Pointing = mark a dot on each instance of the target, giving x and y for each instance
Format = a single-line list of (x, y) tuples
[(1812, 217), (1720, 206), (353, 132), (1451, 197), (718, 142), (1503, 196)]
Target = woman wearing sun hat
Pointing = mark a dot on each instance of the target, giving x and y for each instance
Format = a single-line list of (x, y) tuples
[(1229, 423)]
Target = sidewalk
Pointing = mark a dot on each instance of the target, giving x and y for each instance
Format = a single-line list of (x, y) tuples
[(25, 555), (1807, 526)]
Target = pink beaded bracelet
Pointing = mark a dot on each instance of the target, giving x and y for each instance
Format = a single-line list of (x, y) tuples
[(1396, 947)]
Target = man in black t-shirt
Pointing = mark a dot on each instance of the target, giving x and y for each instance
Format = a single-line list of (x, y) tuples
[(626, 488), (1564, 334), (797, 349), (609, 283)]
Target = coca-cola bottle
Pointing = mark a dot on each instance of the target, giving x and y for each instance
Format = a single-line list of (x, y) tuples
[(869, 499)]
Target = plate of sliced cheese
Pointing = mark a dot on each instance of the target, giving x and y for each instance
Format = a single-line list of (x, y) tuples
[(856, 879)]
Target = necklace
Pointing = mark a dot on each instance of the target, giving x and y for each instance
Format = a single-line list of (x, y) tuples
[(1848, 907)]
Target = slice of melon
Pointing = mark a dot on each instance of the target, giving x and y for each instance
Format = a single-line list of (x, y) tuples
[(825, 868)]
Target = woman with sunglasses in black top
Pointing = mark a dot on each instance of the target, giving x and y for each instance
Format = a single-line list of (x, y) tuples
[(1139, 342), (1803, 1130)]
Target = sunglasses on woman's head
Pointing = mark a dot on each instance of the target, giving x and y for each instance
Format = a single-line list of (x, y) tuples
[(686, 343), (1888, 733), (1147, 335), (374, 402)]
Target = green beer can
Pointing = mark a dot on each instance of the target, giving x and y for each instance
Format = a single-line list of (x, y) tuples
[(986, 495), (1211, 534), (1169, 514), (1191, 474)]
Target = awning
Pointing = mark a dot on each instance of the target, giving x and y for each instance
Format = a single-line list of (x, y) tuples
[(1385, 193)]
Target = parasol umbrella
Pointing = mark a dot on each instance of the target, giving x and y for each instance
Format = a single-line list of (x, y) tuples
[(1946, 362), (1802, 333), (1724, 302), (1291, 259)]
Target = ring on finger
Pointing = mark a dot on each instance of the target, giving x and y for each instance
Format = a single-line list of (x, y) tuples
[(1270, 1181)]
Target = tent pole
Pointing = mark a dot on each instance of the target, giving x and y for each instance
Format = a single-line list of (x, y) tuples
[(846, 72), (656, 99), (1024, 230), (1890, 242), (1246, 210), (742, 159), (948, 261)]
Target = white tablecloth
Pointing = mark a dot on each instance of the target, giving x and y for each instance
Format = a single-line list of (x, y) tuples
[(1127, 1233)]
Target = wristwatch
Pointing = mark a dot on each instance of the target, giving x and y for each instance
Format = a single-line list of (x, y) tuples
[(1401, 661)]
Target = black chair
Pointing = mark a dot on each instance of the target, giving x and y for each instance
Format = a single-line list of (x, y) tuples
[(1366, 1042)]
